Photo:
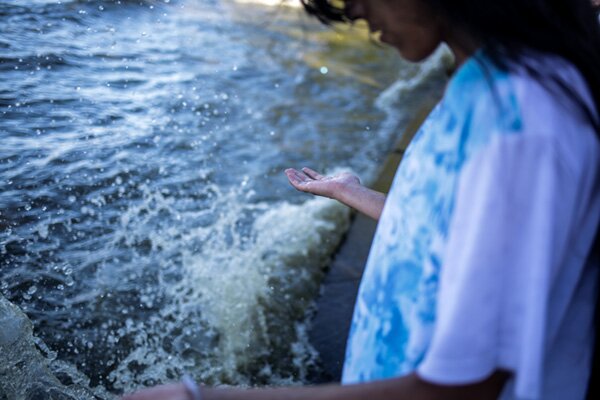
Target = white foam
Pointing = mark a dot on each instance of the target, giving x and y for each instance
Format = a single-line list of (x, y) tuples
[(238, 315), (436, 65), (417, 84), (290, 242)]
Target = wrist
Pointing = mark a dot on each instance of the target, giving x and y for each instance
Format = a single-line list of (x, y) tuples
[(348, 192)]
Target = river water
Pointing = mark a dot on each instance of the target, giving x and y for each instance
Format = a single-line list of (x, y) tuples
[(146, 227)]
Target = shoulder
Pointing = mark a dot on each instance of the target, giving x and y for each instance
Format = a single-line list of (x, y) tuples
[(537, 82), (543, 97)]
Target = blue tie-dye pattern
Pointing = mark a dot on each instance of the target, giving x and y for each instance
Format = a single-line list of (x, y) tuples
[(395, 309)]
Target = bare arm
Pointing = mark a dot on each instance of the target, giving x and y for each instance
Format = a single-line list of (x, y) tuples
[(410, 387), (345, 188)]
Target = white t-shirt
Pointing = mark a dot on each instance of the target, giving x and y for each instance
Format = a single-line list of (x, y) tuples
[(480, 261), (517, 291)]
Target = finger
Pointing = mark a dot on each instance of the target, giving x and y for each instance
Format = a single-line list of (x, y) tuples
[(297, 180), (293, 175), (303, 177), (312, 173), (292, 171)]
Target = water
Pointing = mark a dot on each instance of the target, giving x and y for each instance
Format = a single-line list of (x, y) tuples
[(146, 227)]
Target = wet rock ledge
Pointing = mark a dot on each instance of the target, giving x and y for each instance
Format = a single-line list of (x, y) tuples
[(27, 368)]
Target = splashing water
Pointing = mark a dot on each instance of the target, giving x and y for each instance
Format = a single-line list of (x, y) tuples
[(146, 228)]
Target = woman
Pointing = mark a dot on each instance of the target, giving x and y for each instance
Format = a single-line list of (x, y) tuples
[(480, 282)]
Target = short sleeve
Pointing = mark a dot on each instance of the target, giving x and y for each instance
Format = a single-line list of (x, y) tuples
[(513, 214)]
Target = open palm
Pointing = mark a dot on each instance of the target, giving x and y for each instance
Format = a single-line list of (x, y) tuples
[(310, 181)]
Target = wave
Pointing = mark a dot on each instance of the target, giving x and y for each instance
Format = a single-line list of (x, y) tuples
[(233, 310), (209, 282), (65, 8), (239, 313), (35, 62), (427, 73), (415, 87)]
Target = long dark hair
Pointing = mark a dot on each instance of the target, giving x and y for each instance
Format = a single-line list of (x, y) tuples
[(506, 28)]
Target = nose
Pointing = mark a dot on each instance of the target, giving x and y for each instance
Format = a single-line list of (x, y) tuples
[(354, 9)]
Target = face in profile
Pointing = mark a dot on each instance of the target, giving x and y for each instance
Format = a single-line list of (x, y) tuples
[(410, 26)]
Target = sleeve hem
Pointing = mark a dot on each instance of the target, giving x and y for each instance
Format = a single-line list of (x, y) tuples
[(456, 372)]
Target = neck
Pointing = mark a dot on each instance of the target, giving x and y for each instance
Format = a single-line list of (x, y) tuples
[(462, 46)]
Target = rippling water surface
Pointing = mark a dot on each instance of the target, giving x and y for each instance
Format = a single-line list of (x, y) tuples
[(146, 227)]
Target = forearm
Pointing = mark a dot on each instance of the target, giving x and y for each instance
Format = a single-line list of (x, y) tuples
[(409, 387), (344, 187), (363, 199), (383, 390)]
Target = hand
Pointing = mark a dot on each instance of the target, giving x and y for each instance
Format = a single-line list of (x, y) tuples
[(344, 187), (164, 392), (310, 181)]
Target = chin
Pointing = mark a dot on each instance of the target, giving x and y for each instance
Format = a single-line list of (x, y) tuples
[(411, 48), (413, 56)]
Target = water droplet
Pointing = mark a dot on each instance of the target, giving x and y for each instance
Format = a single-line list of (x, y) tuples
[(43, 230), (72, 199), (324, 70)]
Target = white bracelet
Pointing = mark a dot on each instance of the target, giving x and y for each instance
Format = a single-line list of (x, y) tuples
[(192, 388)]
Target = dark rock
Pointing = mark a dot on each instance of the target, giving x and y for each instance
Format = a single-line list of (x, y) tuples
[(25, 374)]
